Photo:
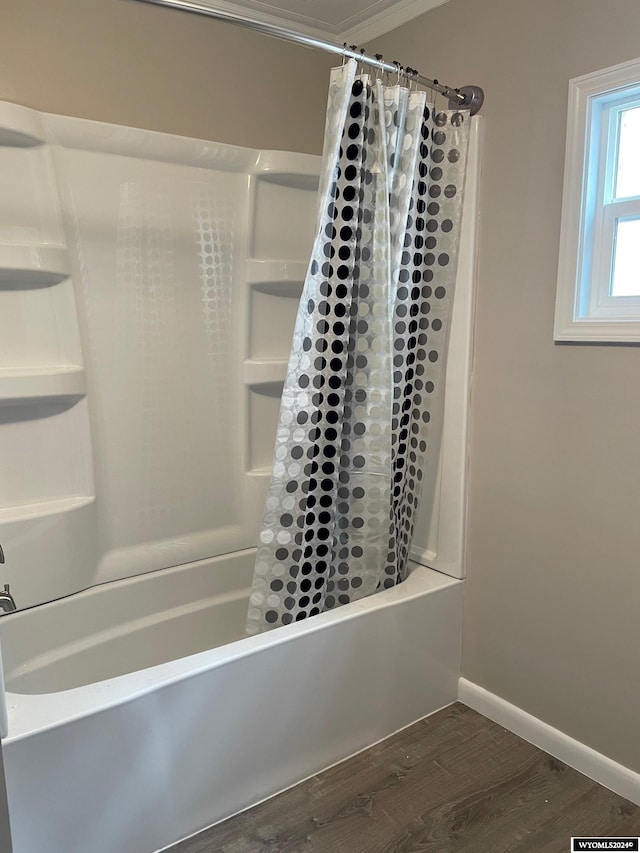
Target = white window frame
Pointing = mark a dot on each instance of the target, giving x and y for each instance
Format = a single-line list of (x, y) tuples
[(585, 309)]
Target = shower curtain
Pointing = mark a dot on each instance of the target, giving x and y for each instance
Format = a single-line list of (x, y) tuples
[(361, 410)]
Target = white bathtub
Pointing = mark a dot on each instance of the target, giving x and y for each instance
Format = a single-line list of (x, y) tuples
[(139, 715)]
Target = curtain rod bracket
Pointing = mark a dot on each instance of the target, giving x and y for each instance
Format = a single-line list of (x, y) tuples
[(473, 99)]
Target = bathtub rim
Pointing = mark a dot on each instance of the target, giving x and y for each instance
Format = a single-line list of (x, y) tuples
[(34, 713)]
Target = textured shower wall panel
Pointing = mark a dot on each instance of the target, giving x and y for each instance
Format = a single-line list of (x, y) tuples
[(141, 372), (159, 256), (148, 291), (160, 230), (47, 507)]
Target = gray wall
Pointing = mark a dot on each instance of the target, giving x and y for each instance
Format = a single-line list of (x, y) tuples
[(135, 64), (553, 595)]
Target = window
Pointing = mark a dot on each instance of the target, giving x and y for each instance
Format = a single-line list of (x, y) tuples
[(598, 296)]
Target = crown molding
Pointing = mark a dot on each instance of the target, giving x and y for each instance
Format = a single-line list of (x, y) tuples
[(373, 26), (357, 28)]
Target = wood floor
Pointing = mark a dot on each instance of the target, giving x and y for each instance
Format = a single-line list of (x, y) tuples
[(453, 782)]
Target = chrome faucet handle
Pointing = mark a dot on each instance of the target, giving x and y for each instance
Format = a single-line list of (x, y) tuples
[(7, 601)]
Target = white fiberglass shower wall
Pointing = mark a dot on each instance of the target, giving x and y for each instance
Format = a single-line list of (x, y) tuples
[(147, 293), (148, 290)]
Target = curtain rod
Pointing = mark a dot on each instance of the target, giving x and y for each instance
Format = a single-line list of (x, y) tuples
[(466, 97)]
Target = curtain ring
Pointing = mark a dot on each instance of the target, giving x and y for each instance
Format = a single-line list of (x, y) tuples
[(344, 53), (436, 82), (408, 72), (354, 48)]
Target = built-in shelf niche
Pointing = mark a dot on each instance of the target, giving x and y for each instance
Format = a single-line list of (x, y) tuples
[(23, 267), (35, 331), (38, 327), (289, 168), (26, 215), (284, 207), (258, 372), (43, 452), (47, 496), (284, 212), (264, 405), (10, 138), (272, 312), (20, 127), (35, 385), (275, 290)]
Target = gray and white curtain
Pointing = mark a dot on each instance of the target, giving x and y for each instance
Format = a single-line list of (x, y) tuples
[(361, 409)]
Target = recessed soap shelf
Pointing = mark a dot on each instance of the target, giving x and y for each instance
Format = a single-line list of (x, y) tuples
[(260, 372), (283, 208), (37, 384), (20, 127), (260, 475), (277, 278), (42, 509), (265, 271), (32, 266), (287, 169), (275, 290), (17, 139)]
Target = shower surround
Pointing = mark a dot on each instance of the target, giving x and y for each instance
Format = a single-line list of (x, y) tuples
[(148, 290)]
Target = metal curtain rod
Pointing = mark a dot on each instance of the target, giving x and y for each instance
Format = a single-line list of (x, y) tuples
[(467, 97)]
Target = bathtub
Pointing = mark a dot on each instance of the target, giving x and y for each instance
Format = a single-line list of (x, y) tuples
[(139, 713)]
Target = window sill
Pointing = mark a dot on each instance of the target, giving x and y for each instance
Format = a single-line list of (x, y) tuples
[(598, 331)]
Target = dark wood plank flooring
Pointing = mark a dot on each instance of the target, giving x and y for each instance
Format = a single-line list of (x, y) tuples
[(453, 782)]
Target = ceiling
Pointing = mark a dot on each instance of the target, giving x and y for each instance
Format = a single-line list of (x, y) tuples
[(351, 21)]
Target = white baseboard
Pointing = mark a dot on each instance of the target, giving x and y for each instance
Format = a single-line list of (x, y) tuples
[(593, 764)]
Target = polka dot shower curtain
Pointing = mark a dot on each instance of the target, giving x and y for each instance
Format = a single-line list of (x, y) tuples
[(361, 410)]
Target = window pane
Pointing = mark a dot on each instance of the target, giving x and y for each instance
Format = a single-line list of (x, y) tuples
[(626, 262), (628, 177)]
